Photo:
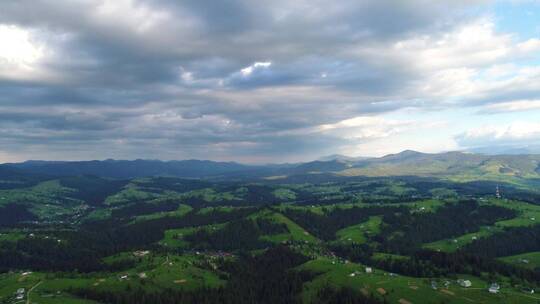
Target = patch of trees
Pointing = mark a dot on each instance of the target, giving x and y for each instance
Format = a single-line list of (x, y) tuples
[(268, 226), (392, 199), (464, 262), (343, 295), (242, 234), (13, 178), (142, 208), (427, 263), (93, 190), (406, 231), (509, 242), (47, 254), (304, 198), (521, 195), (252, 195), (362, 253), (83, 249), (160, 184), (326, 225), (12, 214), (259, 195)]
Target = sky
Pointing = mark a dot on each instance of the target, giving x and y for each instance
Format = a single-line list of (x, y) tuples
[(266, 81)]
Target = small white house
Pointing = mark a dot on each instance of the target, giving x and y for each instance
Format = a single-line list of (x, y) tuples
[(369, 270), (464, 283), (20, 294), (494, 288)]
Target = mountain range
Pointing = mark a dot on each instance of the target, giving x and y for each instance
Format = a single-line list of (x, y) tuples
[(450, 165)]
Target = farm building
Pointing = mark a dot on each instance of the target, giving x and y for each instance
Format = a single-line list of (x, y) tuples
[(494, 288), (464, 283), (20, 294)]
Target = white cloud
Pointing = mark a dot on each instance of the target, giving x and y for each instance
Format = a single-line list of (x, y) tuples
[(256, 66), (19, 54), (531, 45), (469, 45), (18, 47), (130, 14), (512, 106), (521, 133), (299, 70), (472, 61), (365, 128)]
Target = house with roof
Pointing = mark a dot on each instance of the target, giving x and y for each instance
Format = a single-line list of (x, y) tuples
[(494, 288), (20, 294), (464, 283)]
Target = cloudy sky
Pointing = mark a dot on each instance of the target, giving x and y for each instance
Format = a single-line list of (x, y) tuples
[(266, 81)]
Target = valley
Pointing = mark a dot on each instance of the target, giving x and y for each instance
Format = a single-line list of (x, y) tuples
[(317, 237)]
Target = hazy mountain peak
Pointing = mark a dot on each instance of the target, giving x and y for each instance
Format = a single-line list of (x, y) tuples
[(404, 154), (341, 157)]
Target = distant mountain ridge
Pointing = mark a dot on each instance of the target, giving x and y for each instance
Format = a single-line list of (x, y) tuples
[(341, 157), (131, 169), (455, 165)]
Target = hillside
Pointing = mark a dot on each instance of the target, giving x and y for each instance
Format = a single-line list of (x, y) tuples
[(88, 239)]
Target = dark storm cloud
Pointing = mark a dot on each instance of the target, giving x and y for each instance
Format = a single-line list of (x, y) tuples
[(161, 78)]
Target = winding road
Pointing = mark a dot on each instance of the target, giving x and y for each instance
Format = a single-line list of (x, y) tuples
[(30, 290)]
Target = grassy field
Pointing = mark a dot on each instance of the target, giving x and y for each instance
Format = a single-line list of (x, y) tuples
[(130, 193), (296, 233), (528, 215), (174, 237), (425, 205), (453, 244), (151, 273), (40, 288), (360, 232), (284, 194), (182, 210), (211, 195), (47, 200), (11, 235), (529, 260), (403, 288)]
